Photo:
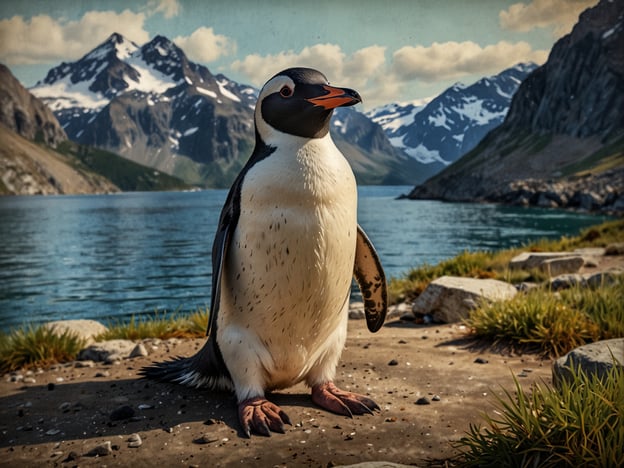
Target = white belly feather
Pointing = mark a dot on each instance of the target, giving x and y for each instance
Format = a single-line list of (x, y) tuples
[(289, 267)]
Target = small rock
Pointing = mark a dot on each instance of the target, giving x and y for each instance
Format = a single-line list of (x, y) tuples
[(29, 380), (121, 413), (139, 350), (205, 439), (72, 456), (65, 407), (435, 398), (52, 432), (393, 362), (423, 401), (480, 361), (134, 441), (144, 406), (101, 450), (103, 374), (82, 364)]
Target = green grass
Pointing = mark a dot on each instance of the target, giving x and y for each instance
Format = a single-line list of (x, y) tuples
[(125, 174), (553, 323), (581, 423), (160, 325), (32, 347)]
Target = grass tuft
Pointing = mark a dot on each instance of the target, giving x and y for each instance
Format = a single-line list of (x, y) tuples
[(578, 424), (40, 346), (163, 325), (554, 323)]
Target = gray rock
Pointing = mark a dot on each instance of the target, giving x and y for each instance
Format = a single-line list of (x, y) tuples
[(450, 299), (135, 441), (531, 260), (562, 265), (594, 359), (139, 350), (615, 249), (100, 450), (84, 329), (107, 351), (566, 281)]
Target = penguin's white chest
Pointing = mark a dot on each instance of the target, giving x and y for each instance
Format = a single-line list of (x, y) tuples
[(289, 267)]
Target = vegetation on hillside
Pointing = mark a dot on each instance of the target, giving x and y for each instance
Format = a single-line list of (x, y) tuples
[(125, 174)]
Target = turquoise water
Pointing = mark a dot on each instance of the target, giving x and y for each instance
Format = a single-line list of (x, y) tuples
[(111, 256)]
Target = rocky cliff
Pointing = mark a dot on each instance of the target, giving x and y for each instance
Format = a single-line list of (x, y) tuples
[(26, 115), (565, 125)]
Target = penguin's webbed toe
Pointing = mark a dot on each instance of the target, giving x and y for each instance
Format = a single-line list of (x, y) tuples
[(338, 401), (261, 416)]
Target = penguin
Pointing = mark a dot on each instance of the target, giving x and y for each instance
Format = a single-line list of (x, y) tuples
[(285, 251)]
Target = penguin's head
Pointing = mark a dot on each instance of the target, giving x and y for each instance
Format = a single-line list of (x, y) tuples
[(299, 102)]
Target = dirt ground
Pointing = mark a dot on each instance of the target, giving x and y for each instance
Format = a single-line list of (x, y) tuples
[(55, 417), (66, 412)]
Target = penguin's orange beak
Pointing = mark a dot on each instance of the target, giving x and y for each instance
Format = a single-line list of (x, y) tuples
[(336, 97)]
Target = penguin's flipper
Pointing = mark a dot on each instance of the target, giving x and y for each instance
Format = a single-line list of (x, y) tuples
[(372, 281)]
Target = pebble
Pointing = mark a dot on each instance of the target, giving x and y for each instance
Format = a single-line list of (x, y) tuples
[(436, 398), (423, 401), (139, 350), (134, 441), (144, 406), (205, 439), (393, 362), (52, 432), (103, 374), (481, 361), (100, 450), (29, 380), (82, 364), (65, 407), (121, 413)]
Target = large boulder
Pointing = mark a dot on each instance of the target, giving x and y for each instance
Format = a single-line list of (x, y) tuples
[(562, 265), (450, 298), (84, 329), (594, 359), (531, 260), (108, 351)]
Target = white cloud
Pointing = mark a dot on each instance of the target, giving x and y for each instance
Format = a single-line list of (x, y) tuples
[(451, 60), (43, 39), (205, 46), (358, 67), (168, 8), (561, 15), (379, 80)]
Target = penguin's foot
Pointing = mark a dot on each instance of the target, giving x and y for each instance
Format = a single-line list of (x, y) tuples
[(330, 397), (261, 416)]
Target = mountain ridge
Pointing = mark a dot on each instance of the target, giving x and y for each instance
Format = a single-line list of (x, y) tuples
[(152, 105), (565, 124)]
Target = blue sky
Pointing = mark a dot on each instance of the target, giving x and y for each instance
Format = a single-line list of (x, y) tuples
[(397, 50)]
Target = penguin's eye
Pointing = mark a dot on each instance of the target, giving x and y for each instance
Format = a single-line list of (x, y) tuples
[(286, 91)]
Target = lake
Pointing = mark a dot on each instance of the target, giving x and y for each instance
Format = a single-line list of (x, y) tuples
[(110, 256)]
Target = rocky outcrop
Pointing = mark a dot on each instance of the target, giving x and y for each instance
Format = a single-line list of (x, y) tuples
[(565, 125), (26, 115), (450, 299)]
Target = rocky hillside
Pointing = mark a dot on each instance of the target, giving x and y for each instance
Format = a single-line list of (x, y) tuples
[(152, 105), (26, 115), (565, 126), (27, 168)]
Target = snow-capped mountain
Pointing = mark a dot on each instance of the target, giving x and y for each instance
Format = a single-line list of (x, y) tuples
[(153, 105), (438, 131)]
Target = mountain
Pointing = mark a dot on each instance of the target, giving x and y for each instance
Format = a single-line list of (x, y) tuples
[(439, 131), (152, 105), (26, 115), (565, 123), (37, 158)]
